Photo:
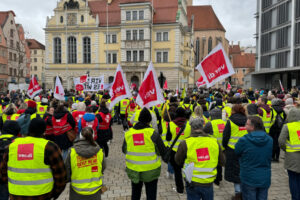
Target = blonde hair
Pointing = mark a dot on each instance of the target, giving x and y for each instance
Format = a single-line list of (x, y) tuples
[(10, 106), (23, 106), (198, 111)]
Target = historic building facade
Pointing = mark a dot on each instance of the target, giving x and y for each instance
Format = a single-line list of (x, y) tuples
[(37, 53), (95, 36), (3, 62), (17, 64)]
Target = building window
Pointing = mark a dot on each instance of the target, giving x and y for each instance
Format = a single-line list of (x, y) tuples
[(11, 32), (265, 62), (35, 52), (61, 19), (162, 57), (297, 8), (141, 15), (15, 57), (128, 15), (20, 59), (244, 71), (18, 45), (128, 56), (141, 34), (134, 35), (15, 72), (266, 3), (35, 59), (141, 56), (282, 38), (10, 71), (297, 57), (209, 46), (82, 18), (165, 36), (158, 36), (135, 56), (57, 50), (128, 35), (297, 33), (10, 56), (134, 15), (282, 13), (0, 38), (11, 44), (111, 58), (281, 59), (86, 50), (266, 43), (114, 38), (35, 68), (72, 50), (266, 22)]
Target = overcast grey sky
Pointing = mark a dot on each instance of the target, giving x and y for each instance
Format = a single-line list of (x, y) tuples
[(237, 17)]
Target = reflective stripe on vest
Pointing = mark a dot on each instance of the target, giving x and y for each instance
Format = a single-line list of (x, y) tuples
[(86, 175), (136, 116), (236, 133), (27, 173), (164, 126), (293, 143), (141, 155), (174, 129), (204, 153), (218, 127)]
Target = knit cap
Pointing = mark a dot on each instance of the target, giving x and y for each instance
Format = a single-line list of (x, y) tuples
[(145, 116)]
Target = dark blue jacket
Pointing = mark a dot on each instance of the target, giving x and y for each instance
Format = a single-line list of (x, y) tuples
[(255, 155)]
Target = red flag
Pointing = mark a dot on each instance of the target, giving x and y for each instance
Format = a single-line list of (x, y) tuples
[(149, 92), (59, 90), (228, 86), (216, 66), (165, 85), (83, 78), (119, 89), (200, 82), (33, 88), (282, 88)]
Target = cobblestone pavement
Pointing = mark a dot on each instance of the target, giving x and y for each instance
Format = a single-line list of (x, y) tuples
[(119, 186)]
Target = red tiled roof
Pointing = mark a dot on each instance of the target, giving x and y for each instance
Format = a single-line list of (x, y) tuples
[(165, 11), (234, 49), (4, 15), (246, 60), (34, 44), (204, 18)]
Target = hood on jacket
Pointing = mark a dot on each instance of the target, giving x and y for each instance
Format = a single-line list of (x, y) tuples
[(294, 115), (238, 119), (258, 138), (89, 117), (85, 149), (59, 115)]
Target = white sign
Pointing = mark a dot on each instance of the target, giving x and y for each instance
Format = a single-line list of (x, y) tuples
[(92, 84)]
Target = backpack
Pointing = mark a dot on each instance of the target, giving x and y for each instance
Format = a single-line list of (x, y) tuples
[(279, 121), (4, 142)]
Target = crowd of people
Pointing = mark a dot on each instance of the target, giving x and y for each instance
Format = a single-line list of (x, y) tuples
[(45, 143)]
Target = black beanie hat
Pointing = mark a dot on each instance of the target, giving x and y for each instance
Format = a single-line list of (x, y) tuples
[(145, 116), (37, 127), (180, 112), (11, 127)]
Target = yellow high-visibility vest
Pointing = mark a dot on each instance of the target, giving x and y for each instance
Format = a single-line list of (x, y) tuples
[(218, 126), (28, 175), (267, 119), (174, 129), (123, 105), (204, 153), (41, 110), (164, 126), (293, 142), (141, 155), (236, 133), (86, 176)]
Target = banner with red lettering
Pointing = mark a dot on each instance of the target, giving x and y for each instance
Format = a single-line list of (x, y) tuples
[(120, 89), (200, 82), (33, 88), (150, 93), (215, 66)]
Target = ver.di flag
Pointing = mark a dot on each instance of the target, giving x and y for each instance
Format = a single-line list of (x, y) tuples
[(165, 85), (150, 93), (33, 88), (200, 82), (215, 66), (119, 89), (59, 92)]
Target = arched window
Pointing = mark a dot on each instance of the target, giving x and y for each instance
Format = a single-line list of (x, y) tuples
[(82, 18), (209, 44), (57, 50), (86, 50), (72, 50), (61, 19)]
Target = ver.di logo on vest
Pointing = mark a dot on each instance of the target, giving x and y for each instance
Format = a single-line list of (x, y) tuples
[(202, 154), (138, 139), (25, 152)]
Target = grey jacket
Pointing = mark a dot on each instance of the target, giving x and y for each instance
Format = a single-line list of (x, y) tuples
[(86, 150), (292, 160)]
